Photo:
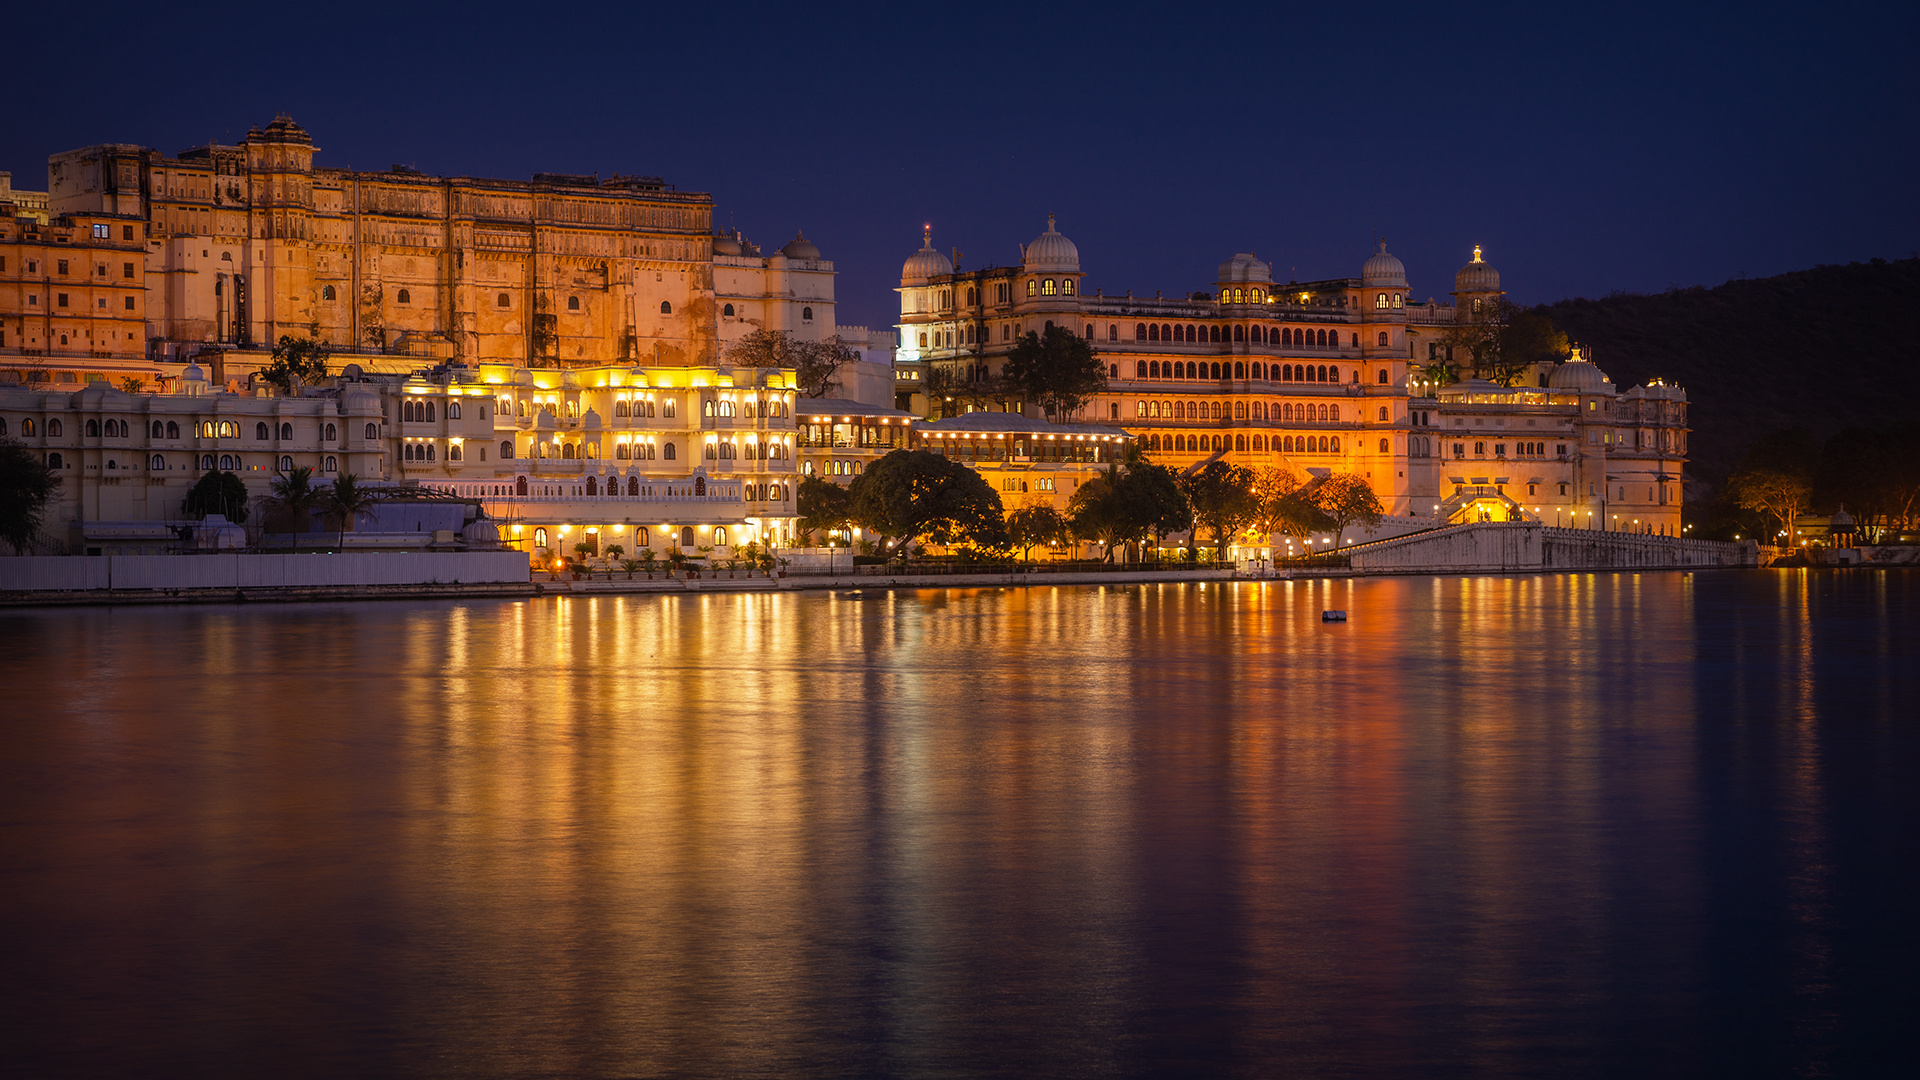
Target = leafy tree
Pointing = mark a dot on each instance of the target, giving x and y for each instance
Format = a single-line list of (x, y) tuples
[(296, 362), (1058, 371), (348, 499), (218, 492), (1272, 492), (27, 485), (1123, 505), (1775, 494), (132, 384), (913, 494), (762, 349), (1346, 498), (1222, 499), (823, 505), (951, 386), (1502, 341), (1036, 523)]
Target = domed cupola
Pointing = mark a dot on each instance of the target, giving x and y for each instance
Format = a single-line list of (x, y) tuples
[(1384, 271), (726, 244), (1579, 375), (800, 247), (591, 420), (1050, 252), (1477, 276), (926, 264), (1244, 267)]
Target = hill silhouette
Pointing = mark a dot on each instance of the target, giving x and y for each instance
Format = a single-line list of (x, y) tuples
[(1822, 349)]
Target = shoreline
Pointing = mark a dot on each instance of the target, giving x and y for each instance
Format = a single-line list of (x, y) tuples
[(807, 583)]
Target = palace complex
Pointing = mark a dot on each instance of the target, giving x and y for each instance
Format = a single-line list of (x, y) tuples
[(556, 352), (1317, 377)]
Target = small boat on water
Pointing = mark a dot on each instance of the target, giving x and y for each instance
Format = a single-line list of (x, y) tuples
[(1333, 616)]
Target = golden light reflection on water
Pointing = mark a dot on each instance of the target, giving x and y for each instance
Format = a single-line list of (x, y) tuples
[(982, 829)]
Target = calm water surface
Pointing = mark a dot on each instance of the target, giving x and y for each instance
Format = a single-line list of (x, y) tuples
[(1608, 825)]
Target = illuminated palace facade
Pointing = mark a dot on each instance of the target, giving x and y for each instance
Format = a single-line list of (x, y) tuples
[(1316, 377), (647, 457)]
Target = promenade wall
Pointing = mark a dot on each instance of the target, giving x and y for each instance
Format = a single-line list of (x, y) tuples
[(1526, 547), (115, 573)]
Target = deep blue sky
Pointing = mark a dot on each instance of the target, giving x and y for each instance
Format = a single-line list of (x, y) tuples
[(1627, 148)]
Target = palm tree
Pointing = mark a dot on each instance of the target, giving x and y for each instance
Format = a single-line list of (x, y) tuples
[(294, 492), (349, 500)]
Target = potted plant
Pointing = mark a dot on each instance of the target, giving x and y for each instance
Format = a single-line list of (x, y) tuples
[(784, 563), (731, 563), (613, 552), (646, 561), (629, 565), (676, 560), (702, 551)]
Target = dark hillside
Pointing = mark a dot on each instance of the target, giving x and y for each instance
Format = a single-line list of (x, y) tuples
[(1823, 349)]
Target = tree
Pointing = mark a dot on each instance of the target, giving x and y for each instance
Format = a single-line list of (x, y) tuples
[(1271, 493), (1057, 371), (296, 362), (1346, 498), (762, 349), (1222, 499), (913, 494), (1122, 505), (132, 384), (822, 505), (951, 385), (1774, 494), (348, 499), (27, 485), (1502, 341), (1035, 523), (294, 497), (817, 364), (220, 493)]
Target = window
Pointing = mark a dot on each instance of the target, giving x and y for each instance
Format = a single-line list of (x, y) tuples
[(1383, 446), (260, 431), (1383, 340), (373, 431), (54, 461), (666, 307), (326, 292), (1383, 414), (806, 314), (727, 311), (666, 409), (667, 452), (329, 464), (453, 452), (62, 263), (1459, 450), (157, 463), (1047, 287), (126, 271), (453, 410), (286, 463), (103, 232), (61, 301), (503, 301), (403, 296), (1480, 449), (1032, 285), (573, 304), (286, 431), (539, 535)]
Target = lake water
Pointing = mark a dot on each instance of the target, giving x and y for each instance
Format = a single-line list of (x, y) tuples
[(1586, 825)]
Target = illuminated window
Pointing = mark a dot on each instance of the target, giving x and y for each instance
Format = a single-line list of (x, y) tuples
[(1047, 287), (1066, 286), (1031, 285)]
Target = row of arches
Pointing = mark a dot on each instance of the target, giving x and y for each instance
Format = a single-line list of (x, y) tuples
[(1281, 337), (1241, 370), (1237, 410), (1259, 444)]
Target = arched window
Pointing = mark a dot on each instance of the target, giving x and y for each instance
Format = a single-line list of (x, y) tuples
[(1166, 333), (667, 451), (286, 431), (1383, 339), (403, 296), (1215, 371), (329, 464), (806, 314), (1239, 410), (1383, 446), (666, 307), (173, 430), (1139, 331), (453, 410), (503, 300), (1239, 370), (1380, 301), (1333, 445), (1239, 443), (260, 432), (1239, 333), (206, 462), (1153, 332), (573, 304), (1381, 376), (622, 452), (539, 535), (55, 461), (326, 293), (373, 431), (157, 463)]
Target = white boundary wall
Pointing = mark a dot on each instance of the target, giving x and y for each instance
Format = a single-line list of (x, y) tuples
[(77, 573), (1523, 546)]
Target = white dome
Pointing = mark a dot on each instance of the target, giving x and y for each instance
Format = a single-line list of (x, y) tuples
[(194, 373), (1580, 375), (726, 244), (1384, 270), (1476, 276), (926, 263), (1051, 251), (591, 419), (1244, 267), (800, 247)]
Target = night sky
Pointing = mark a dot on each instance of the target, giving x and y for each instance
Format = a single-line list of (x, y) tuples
[(1632, 148)]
